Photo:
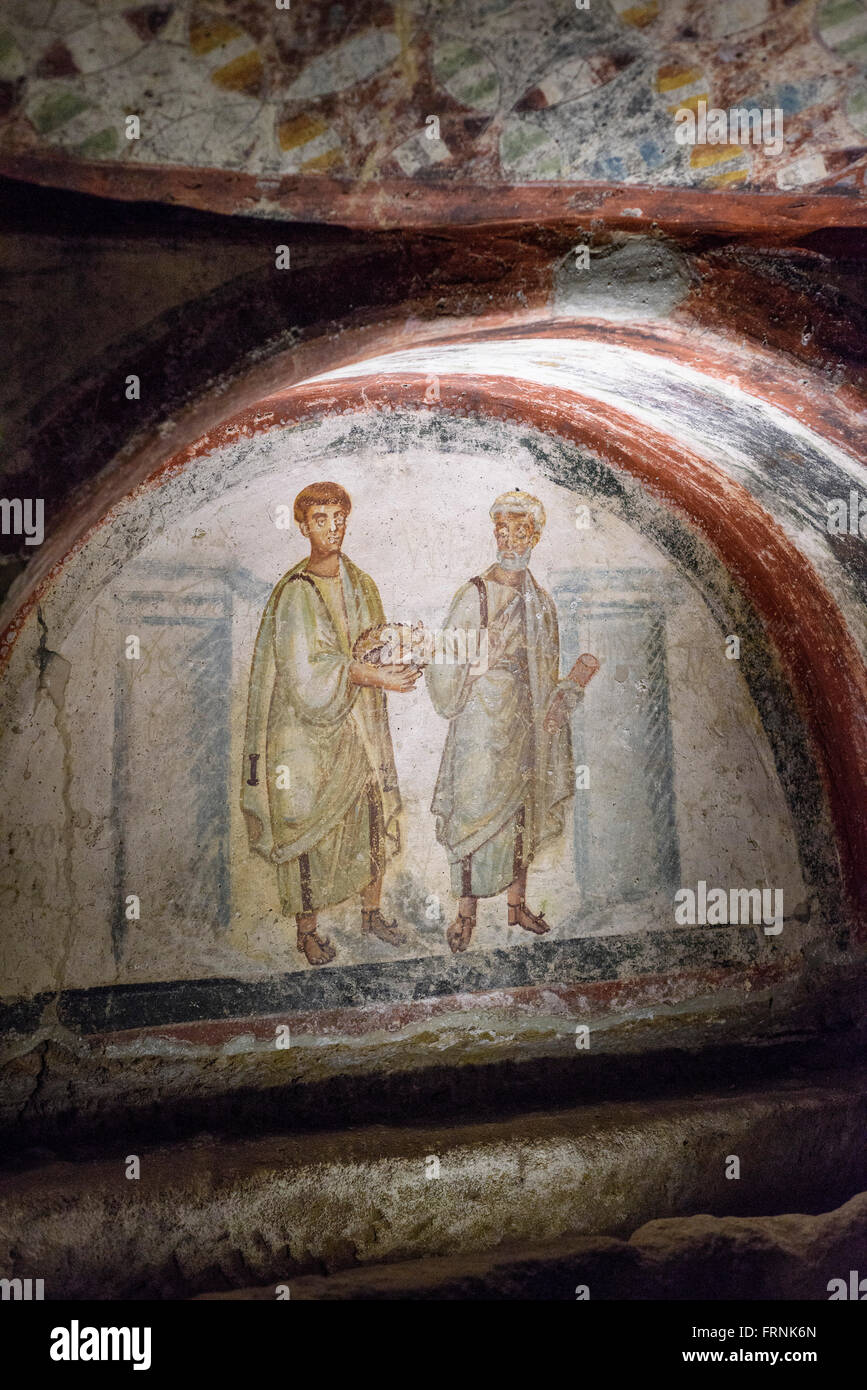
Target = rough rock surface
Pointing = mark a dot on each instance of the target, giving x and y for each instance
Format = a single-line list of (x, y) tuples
[(704, 1257)]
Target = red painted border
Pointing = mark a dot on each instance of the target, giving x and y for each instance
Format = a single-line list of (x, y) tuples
[(414, 203), (573, 1001), (761, 375), (794, 389)]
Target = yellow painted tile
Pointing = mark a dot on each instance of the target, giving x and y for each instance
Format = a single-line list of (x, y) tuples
[(703, 155), (690, 103), (639, 15), (733, 176), (206, 35), (322, 161), (299, 131), (241, 75), (668, 78)]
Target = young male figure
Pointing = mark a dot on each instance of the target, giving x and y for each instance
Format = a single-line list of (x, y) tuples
[(506, 771), (324, 808)]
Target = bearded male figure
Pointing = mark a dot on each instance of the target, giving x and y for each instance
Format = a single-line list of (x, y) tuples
[(324, 810), (506, 771)]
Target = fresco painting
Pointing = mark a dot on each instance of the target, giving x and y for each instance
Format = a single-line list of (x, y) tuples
[(436, 718), (433, 648), (326, 808)]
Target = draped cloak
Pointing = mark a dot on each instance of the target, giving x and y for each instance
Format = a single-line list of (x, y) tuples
[(330, 738), (504, 780)]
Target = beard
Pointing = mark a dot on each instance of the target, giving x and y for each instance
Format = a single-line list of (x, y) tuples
[(514, 562)]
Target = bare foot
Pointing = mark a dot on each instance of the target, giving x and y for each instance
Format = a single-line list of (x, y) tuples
[(318, 950), (372, 921), (521, 916), (459, 933)]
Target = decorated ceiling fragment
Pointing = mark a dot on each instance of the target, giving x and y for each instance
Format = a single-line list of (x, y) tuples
[(456, 92)]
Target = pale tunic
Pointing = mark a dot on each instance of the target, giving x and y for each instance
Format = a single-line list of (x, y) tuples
[(503, 780), (329, 832)]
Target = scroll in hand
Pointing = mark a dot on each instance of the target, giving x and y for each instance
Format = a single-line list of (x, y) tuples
[(582, 673), (584, 670)]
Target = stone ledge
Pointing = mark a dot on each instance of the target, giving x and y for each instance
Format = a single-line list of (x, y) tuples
[(694, 1257), (58, 1089), (233, 1214)]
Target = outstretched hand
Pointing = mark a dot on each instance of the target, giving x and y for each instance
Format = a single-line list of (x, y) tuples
[(398, 678)]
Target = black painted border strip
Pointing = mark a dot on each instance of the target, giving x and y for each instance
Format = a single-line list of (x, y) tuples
[(114, 1008)]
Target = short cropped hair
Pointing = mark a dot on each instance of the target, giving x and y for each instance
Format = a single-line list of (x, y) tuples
[(518, 503), (321, 495)]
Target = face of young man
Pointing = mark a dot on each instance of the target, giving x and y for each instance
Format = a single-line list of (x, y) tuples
[(515, 536), (325, 528)]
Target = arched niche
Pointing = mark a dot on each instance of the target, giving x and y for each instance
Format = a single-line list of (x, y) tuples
[(705, 532)]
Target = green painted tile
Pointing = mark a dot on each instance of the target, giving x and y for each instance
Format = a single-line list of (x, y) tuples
[(56, 110)]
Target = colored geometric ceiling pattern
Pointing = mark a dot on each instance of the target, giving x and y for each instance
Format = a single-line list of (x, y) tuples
[(445, 92)]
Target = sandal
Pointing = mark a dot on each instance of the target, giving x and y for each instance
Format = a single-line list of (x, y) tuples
[(536, 922), (459, 933), (372, 921), (317, 950)]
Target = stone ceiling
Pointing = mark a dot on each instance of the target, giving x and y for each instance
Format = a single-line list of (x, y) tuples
[(527, 93)]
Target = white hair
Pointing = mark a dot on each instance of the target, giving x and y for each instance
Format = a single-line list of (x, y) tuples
[(517, 503)]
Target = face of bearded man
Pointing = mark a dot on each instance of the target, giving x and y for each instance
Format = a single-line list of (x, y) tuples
[(515, 535)]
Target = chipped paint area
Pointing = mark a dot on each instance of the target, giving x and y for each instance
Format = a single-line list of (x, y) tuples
[(524, 92)]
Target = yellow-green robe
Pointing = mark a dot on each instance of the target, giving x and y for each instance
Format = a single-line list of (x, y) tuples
[(504, 780), (330, 829)]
